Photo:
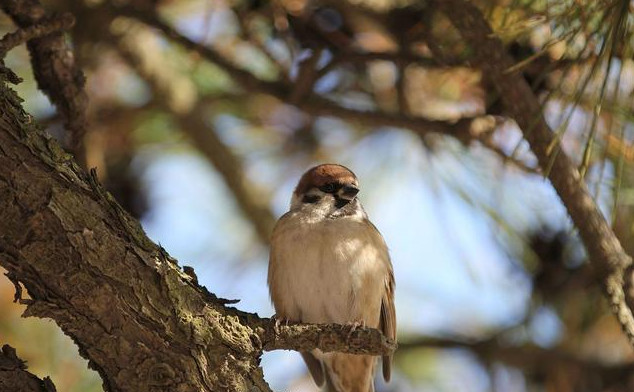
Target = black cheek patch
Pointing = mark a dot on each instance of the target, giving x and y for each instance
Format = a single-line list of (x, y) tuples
[(310, 199), (331, 187), (339, 202)]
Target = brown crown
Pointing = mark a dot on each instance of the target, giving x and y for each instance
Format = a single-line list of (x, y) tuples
[(324, 174)]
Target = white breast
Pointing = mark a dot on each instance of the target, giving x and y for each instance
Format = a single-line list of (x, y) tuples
[(329, 270)]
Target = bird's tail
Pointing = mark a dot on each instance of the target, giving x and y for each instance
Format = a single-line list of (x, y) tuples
[(348, 372)]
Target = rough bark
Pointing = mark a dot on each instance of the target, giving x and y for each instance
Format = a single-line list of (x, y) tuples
[(15, 378), (603, 248), (87, 264)]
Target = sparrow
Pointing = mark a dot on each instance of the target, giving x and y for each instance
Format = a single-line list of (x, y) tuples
[(329, 264)]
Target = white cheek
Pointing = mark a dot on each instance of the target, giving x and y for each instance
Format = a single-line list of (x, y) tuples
[(324, 205), (316, 192)]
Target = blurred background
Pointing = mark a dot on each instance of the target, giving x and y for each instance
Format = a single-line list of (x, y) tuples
[(204, 113)]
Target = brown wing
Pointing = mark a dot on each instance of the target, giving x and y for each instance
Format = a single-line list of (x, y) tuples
[(275, 279), (281, 303), (314, 367), (272, 280), (387, 323)]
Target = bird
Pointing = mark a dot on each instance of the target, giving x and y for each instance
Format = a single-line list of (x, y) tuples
[(329, 264)]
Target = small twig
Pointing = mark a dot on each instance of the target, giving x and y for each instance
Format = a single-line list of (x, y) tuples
[(400, 57), (192, 121), (525, 356), (403, 103), (247, 80), (435, 47), (249, 36), (314, 104), (17, 296), (486, 142), (44, 28), (306, 77), (354, 57)]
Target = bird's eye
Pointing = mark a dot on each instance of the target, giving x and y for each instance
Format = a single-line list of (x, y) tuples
[(328, 188), (310, 199)]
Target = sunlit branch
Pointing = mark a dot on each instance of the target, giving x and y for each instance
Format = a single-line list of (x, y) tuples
[(603, 247)]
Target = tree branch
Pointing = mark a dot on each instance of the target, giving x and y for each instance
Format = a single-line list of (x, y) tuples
[(312, 104), (193, 122), (530, 358), (326, 337), (43, 28), (521, 104), (55, 70), (15, 378)]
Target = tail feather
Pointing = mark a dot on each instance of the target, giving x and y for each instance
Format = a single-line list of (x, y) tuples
[(330, 387), (348, 372), (314, 367)]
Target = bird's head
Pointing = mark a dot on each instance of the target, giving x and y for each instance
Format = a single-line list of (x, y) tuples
[(327, 187)]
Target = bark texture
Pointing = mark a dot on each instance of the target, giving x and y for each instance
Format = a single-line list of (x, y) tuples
[(141, 322), (15, 378)]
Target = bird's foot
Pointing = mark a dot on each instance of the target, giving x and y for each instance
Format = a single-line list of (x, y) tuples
[(278, 322), (353, 326)]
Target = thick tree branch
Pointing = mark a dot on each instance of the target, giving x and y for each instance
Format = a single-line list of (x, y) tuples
[(15, 378), (521, 104), (43, 28), (55, 69), (532, 359)]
